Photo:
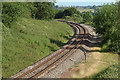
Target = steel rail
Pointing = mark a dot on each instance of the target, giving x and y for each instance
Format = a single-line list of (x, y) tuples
[(46, 60), (59, 59)]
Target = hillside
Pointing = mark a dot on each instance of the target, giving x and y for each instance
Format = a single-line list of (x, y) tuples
[(29, 40)]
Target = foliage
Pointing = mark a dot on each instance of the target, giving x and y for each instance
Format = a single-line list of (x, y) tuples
[(59, 14), (106, 22), (44, 10), (30, 41), (11, 11), (74, 18), (70, 14), (111, 72), (70, 11), (87, 17)]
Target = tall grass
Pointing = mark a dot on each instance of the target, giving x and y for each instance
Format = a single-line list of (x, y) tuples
[(110, 72), (29, 40)]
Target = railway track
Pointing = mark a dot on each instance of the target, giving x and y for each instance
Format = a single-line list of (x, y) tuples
[(50, 62)]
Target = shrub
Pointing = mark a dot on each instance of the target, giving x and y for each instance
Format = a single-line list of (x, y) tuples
[(11, 12), (87, 17), (44, 10), (59, 14), (70, 11), (106, 22)]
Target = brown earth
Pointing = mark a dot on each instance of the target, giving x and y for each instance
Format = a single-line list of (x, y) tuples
[(96, 62)]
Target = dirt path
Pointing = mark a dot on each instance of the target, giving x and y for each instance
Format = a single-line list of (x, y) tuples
[(95, 63)]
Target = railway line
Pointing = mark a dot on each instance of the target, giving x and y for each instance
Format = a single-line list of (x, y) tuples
[(50, 61)]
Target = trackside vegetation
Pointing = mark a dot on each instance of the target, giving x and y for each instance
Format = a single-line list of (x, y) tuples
[(104, 19), (28, 36), (38, 10), (106, 23), (30, 32), (110, 72), (29, 40)]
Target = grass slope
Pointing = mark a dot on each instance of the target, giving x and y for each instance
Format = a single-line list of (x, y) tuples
[(29, 40), (109, 72)]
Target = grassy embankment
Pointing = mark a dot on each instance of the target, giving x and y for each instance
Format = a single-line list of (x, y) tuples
[(29, 40)]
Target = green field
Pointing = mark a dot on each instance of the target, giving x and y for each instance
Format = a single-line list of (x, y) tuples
[(29, 40), (85, 10)]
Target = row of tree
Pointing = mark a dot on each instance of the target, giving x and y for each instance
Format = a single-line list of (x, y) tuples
[(73, 13), (39, 10), (105, 19)]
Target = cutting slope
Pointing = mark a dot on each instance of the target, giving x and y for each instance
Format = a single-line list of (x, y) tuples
[(29, 40)]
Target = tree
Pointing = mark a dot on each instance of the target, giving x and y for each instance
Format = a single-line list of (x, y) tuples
[(106, 22), (70, 11), (11, 12), (44, 10), (59, 14), (87, 17)]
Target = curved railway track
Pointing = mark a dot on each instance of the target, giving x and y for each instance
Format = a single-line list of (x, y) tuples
[(50, 62)]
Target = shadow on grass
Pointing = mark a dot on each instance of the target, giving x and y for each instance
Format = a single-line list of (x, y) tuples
[(66, 37), (51, 48), (57, 42)]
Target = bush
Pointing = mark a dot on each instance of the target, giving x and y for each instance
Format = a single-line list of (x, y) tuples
[(44, 10), (87, 17), (110, 72), (59, 14), (70, 11), (11, 12), (106, 22)]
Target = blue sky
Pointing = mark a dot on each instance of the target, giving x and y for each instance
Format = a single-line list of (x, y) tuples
[(85, 0), (82, 2)]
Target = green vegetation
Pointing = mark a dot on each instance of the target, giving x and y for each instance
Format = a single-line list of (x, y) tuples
[(98, 65), (44, 10), (12, 11), (70, 11), (29, 34), (110, 72), (72, 14), (87, 17), (106, 23), (105, 20), (29, 40), (85, 9)]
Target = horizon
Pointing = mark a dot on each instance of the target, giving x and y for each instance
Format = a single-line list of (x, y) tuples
[(81, 3)]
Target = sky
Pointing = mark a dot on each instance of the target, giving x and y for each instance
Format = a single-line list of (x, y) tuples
[(82, 2), (85, 0)]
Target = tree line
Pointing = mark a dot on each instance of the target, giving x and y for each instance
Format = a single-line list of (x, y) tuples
[(38, 10), (105, 19)]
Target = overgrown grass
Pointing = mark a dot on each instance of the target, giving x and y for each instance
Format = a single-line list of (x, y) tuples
[(29, 40), (110, 72)]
